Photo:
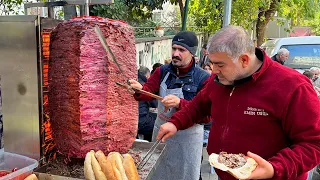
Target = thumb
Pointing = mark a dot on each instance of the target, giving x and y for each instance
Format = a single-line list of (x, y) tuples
[(166, 109), (160, 134), (166, 136), (256, 157)]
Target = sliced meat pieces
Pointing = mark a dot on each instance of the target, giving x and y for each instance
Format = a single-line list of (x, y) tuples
[(232, 161)]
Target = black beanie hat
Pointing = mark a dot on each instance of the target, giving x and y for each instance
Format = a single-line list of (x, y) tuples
[(187, 39)]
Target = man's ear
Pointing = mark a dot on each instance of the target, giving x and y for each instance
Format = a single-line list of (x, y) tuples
[(244, 60)]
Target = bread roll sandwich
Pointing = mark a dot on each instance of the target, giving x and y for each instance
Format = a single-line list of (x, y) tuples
[(116, 161), (130, 167), (96, 168), (88, 170), (114, 167), (31, 177), (238, 165)]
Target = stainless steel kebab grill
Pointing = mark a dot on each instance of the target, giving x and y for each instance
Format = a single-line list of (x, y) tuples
[(24, 46)]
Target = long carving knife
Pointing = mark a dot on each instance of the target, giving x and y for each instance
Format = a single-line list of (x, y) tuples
[(108, 50), (140, 91)]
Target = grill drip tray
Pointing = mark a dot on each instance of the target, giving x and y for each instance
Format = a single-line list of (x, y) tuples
[(59, 170)]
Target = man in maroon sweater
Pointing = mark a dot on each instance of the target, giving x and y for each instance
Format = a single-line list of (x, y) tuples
[(251, 112), (177, 82)]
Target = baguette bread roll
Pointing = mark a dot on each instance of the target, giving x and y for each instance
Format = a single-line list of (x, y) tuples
[(96, 168), (88, 171), (117, 154), (242, 172), (130, 167), (31, 177), (115, 170), (116, 161), (107, 167)]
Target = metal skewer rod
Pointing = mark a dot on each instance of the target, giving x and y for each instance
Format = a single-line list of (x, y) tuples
[(148, 155)]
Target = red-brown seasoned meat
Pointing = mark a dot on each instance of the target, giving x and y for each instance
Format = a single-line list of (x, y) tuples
[(87, 109), (232, 161)]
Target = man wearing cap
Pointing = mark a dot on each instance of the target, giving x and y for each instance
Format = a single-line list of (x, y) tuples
[(177, 82)]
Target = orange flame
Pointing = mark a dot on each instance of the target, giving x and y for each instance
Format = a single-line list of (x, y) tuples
[(49, 145)]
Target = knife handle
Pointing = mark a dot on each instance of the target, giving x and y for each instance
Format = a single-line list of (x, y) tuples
[(148, 94)]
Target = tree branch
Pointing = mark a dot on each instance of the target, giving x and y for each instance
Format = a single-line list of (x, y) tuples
[(262, 22), (181, 9), (272, 9)]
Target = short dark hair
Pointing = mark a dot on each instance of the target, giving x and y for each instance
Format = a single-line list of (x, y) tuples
[(154, 67), (143, 70), (207, 63), (204, 46)]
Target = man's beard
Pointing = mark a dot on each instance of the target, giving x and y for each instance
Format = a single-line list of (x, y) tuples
[(178, 58), (314, 79)]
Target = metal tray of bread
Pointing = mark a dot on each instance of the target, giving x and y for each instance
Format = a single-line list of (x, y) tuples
[(61, 171)]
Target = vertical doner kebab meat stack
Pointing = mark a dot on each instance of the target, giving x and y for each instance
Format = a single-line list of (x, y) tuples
[(88, 110)]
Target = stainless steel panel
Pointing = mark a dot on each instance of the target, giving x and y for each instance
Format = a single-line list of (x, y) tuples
[(147, 172), (44, 176), (20, 84)]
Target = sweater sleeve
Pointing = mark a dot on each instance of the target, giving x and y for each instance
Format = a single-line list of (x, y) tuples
[(152, 85), (301, 122), (194, 111)]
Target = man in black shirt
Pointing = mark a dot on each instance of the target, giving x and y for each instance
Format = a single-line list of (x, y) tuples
[(281, 56)]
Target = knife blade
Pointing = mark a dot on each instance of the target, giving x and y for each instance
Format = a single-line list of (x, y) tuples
[(108, 50)]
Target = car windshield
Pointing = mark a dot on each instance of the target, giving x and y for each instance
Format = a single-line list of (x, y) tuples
[(303, 56)]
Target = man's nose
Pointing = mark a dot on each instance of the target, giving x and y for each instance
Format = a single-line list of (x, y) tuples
[(215, 69), (176, 52)]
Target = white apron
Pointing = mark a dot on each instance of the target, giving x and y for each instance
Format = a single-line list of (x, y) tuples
[(182, 158)]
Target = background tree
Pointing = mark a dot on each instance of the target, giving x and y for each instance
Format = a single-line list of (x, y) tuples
[(207, 14), (137, 8), (10, 6), (292, 10), (314, 23)]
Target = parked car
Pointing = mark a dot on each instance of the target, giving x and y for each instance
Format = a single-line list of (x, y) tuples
[(304, 51)]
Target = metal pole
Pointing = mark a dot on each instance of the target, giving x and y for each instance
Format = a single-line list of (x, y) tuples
[(51, 10), (185, 15), (82, 10), (87, 12), (69, 12), (227, 12)]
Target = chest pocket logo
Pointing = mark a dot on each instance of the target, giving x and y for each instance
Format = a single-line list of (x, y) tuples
[(255, 112)]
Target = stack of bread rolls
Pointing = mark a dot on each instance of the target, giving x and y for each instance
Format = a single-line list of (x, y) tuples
[(114, 167)]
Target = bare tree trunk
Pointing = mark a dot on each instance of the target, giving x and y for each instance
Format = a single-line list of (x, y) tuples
[(263, 22), (220, 7), (260, 28), (181, 10)]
